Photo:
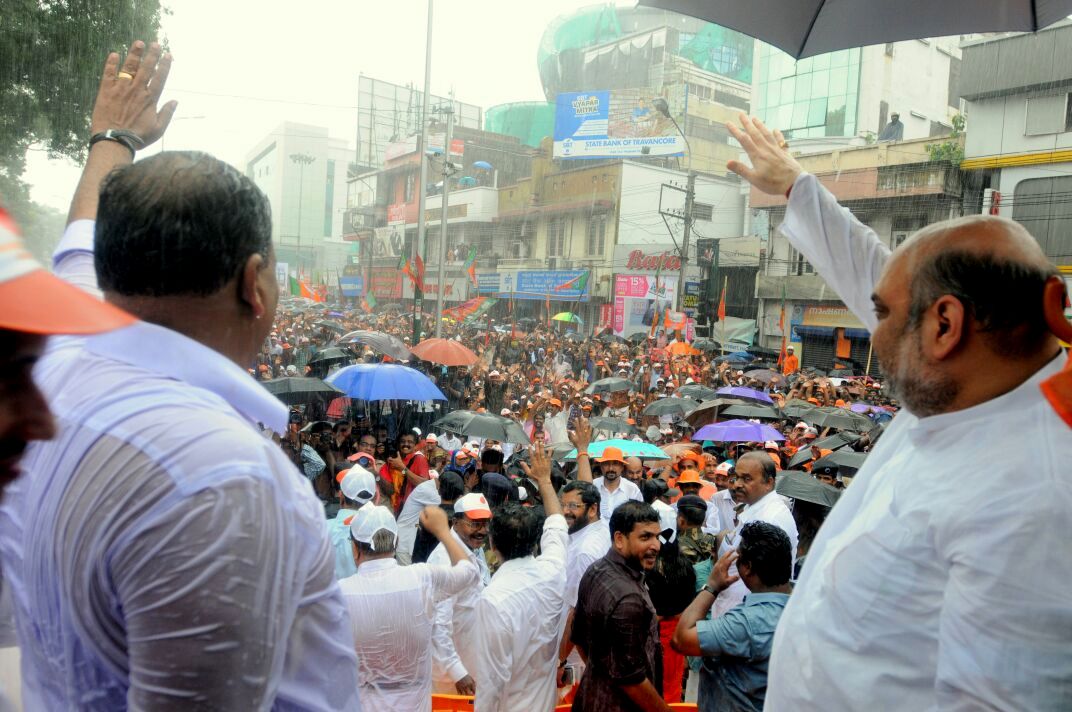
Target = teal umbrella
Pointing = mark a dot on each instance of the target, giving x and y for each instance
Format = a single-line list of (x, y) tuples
[(629, 448)]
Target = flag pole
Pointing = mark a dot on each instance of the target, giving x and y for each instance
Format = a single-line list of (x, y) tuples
[(870, 348)]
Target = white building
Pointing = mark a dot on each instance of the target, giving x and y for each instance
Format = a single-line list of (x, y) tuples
[(303, 172)]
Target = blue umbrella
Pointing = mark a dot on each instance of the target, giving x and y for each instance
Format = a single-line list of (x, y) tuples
[(384, 381), (629, 448), (745, 393), (482, 164), (737, 431), (466, 182), (736, 357)]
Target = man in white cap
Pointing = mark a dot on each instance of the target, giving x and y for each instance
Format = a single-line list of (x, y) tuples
[(392, 608), (453, 647), (357, 487), (186, 515)]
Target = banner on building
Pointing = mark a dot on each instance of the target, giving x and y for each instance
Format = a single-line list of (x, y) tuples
[(389, 241), (706, 251), (641, 301), (386, 284), (548, 285), (352, 286), (613, 124)]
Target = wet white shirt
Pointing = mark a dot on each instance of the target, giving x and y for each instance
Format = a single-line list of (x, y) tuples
[(518, 627), (141, 542), (423, 495), (921, 590), (770, 508), (392, 611), (453, 652), (608, 500)]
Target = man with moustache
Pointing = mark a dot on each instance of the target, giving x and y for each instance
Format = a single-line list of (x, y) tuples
[(613, 489), (934, 599)]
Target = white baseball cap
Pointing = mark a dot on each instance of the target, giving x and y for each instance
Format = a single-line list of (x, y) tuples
[(473, 505), (357, 484), (369, 520)]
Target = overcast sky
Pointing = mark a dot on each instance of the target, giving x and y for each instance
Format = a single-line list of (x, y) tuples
[(246, 65)]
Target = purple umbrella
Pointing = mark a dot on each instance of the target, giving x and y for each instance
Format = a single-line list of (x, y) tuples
[(745, 393), (866, 408), (737, 431)]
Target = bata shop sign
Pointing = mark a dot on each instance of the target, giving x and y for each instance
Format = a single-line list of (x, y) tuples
[(647, 258)]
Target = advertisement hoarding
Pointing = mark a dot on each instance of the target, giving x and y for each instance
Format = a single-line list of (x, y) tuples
[(556, 285), (352, 286), (613, 124), (640, 301)]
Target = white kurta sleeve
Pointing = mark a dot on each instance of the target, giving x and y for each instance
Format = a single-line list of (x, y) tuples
[(443, 641), (449, 581), (554, 541), (845, 252), (72, 260)]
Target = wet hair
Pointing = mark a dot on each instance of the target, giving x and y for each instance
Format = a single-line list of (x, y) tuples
[(769, 469), (1011, 317), (589, 493), (627, 515), (384, 541), (451, 486), (515, 530), (767, 550), (653, 488), (178, 223)]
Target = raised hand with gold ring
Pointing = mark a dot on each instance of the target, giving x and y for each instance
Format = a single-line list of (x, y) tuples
[(128, 94), (124, 75)]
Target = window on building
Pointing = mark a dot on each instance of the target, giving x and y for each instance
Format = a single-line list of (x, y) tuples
[(702, 211), (410, 187), (797, 264), (556, 237), (1046, 115), (329, 198), (1041, 205), (597, 234)]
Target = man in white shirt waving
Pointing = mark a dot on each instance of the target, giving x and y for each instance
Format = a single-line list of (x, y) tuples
[(392, 607), (519, 613), (933, 598)]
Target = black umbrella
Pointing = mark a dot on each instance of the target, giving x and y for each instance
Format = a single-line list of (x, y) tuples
[(380, 342), (709, 410), (796, 408), (482, 425), (331, 325), (612, 338), (670, 406), (847, 462), (802, 486), (842, 373), (638, 337), (611, 425), (813, 372), (751, 410), (801, 456), (706, 345), (839, 418), (764, 375), (610, 385), (330, 355), (298, 390), (697, 391), (839, 439), (804, 28), (393, 307)]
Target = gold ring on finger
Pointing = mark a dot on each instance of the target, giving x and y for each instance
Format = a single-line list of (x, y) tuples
[(124, 75), (783, 145)]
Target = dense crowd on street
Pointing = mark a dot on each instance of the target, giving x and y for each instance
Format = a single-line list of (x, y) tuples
[(218, 513)]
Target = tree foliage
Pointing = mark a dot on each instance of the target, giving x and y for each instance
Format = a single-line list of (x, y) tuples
[(51, 55), (951, 150)]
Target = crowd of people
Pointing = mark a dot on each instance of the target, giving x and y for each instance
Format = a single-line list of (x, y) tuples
[(179, 538)]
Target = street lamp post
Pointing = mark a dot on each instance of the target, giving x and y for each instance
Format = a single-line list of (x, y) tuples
[(302, 159)]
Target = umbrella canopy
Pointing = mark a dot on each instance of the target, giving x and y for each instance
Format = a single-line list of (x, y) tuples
[(298, 390), (331, 325), (750, 394), (394, 307), (670, 406), (611, 425), (804, 28), (795, 408), (697, 391), (330, 355), (839, 418), (752, 410), (610, 385), (612, 338), (384, 381), (800, 485), (705, 345), (839, 439), (865, 408), (681, 348), (842, 373), (737, 431), (379, 342), (482, 164), (446, 352), (567, 316), (709, 410), (482, 425), (638, 337), (629, 448), (847, 461), (736, 357), (803, 455), (765, 375)]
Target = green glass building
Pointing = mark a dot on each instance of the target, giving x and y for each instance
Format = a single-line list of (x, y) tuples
[(814, 97)]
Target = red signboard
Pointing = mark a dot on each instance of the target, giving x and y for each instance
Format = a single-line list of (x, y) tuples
[(642, 261), (396, 213), (386, 285)]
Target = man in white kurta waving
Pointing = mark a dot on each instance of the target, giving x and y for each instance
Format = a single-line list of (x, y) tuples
[(932, 597)]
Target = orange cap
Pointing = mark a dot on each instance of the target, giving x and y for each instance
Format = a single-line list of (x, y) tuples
[(555, 402), (35, 301), (612, 454), (689, 477)]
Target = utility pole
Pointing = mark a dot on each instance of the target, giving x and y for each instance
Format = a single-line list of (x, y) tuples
[(448, 171), (420, 247), (690, 196), (302, 159)]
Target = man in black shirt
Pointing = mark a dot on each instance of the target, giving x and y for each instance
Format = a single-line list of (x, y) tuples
[(615, 625)]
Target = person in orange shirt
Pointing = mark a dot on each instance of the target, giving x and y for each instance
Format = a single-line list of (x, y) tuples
[(792, 363)]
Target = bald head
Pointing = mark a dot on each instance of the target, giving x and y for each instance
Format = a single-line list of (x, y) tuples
[(634, 469), (999, 238)]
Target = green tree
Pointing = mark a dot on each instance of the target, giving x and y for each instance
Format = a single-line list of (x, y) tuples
[(51, 55), (951, 150)]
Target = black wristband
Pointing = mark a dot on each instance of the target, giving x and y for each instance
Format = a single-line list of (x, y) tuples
[(129, 139)]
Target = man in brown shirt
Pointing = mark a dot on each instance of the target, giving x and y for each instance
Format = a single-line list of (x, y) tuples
[(615, 625)]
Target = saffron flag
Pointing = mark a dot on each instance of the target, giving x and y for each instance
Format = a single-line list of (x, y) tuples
[(369, 302), (415, 273), (299, 288), (722, 304), (470, 266), (578, 283)]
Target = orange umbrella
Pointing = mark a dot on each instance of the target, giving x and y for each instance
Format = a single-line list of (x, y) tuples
[(680, 348), (446, 352)]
